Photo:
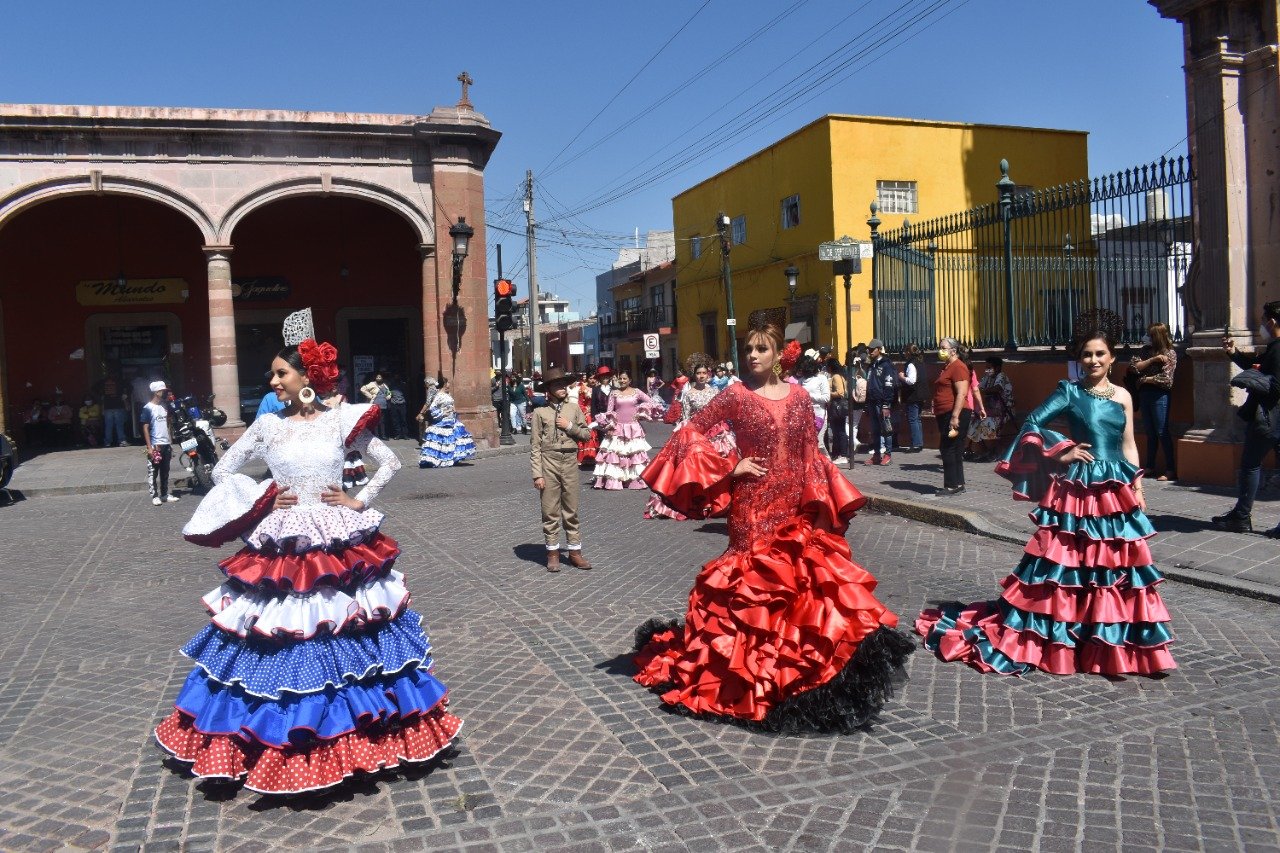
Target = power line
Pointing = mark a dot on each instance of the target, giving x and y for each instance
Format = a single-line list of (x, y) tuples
[(680, 87), (625, 86), (759, 110)]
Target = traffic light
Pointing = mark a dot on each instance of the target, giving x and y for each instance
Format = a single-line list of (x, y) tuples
[(503, 304)]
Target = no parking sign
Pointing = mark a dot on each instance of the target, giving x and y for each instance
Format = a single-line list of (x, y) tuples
[(651, 346)]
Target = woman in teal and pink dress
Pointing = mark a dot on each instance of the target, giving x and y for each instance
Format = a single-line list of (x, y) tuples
[(1084, 597)]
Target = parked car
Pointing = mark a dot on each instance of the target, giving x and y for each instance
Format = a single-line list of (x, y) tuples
[(8, 460)]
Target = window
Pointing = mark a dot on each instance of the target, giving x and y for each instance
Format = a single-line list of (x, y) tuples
[(695, 246), (739, 226), (897, 197), (658, 295), (790, 211)]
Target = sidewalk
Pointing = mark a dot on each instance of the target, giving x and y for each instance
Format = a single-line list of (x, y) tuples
[(123, 469), (1186, 548)]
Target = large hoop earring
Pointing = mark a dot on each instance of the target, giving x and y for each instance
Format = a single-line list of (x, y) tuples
[(307, 395)]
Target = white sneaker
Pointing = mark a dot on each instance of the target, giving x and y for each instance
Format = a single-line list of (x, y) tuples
[(123, 444), (155, 502), (173, 499), (840, 460)]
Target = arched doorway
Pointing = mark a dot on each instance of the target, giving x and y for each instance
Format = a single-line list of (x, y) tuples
[(354, 262), (99, 285)]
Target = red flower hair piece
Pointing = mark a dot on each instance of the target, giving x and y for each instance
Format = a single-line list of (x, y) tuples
[(790, 355), (321, 362)]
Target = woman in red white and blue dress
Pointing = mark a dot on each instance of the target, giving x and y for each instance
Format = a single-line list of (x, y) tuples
[(313, 667)]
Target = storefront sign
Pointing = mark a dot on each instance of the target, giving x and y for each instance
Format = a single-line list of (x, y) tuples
[(262, 289), (132, 291)]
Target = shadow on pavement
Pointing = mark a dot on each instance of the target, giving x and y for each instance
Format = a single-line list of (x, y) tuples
[(531, 553), (720, 527), (621, 665), (909, 486), (1179, 523)]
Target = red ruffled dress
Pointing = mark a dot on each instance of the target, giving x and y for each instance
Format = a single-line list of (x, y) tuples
[(587, 449), (783, 631), (1084, 597), (312, 667)]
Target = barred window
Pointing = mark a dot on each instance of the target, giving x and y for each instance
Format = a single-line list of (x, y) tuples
[(695, 246), (739, 225), (897, 197), (791, 211)]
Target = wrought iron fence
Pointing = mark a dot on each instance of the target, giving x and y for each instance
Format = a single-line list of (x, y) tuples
[(638, 321), (1015, 272)]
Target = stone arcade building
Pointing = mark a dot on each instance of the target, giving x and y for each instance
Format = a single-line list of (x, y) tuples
[(170, 243)]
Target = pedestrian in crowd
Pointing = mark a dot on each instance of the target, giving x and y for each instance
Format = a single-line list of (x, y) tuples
[(993, 405), (60, 418), (35, 424), (1085, 596), (818, 387), (557, 429), (721, 378), (857, 395), (600, 394), (269, 404), (882, 393), (624, 454), (580, 392), (694, 397), (1155, 371), (397, 408), (653, 383), (838, 412), (375, 391), (519, 400), (114, 403), (495, 395), (447, 442), (156, 439), (90, 417), (953, 413), (1259, 415), (914, 393), (783, 631)]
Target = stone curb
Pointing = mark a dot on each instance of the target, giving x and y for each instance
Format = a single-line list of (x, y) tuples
[(972, 522)]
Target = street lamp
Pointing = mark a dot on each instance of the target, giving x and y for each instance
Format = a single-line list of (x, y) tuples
[(793, 281), (461, 233)]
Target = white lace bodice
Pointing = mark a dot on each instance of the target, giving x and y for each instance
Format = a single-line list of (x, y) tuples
[(306, 456)]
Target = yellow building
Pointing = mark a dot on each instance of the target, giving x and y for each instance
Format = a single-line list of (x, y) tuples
[(816, 185)]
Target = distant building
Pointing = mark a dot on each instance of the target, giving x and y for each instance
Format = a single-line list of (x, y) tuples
[(816, 185), (631, 302)]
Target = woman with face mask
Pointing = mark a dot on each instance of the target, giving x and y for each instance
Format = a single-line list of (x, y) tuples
[(1155, 371), (952, 410)]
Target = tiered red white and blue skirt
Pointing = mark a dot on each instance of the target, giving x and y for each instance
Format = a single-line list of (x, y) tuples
[(313, 668), (1084, 596)]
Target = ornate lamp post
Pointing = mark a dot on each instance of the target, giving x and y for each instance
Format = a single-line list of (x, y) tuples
[(793, 281), (461, 233)]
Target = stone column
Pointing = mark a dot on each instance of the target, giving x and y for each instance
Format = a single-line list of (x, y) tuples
[(431, 328), (223, 364), (1234, 133), (458, 143)]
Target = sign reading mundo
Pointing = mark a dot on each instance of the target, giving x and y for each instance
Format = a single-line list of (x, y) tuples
[(132, 291)]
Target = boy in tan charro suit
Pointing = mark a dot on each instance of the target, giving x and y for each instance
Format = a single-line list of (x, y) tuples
[(553, 453)]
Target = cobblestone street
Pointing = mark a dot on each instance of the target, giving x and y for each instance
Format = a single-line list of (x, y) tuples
[(561, 750)]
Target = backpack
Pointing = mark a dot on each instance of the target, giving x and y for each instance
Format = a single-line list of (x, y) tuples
[(858, 389)]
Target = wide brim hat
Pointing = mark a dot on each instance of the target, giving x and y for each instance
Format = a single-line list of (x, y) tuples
[(555, 378)]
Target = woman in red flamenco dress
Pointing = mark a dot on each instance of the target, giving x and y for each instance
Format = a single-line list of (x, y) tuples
[(588, 449), (1084, 596), (313, 667), (783, 631)]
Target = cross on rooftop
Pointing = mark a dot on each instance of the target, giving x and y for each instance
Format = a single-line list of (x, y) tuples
[(465, 79)]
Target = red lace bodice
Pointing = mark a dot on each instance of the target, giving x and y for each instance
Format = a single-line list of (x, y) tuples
[(781, 432)]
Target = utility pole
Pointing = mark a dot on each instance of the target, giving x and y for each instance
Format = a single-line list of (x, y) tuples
[(722, 227), (534, 347)]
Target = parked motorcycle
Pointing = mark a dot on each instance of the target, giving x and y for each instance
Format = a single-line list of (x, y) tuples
[(193, 431)]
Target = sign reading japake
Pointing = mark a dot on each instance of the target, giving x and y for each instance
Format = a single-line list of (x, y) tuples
[(132, 291), (261, 289)]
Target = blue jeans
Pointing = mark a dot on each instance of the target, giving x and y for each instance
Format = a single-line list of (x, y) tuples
[(1154, 405), (1256, 447), (881, 439), (113, 423), (914, 425)]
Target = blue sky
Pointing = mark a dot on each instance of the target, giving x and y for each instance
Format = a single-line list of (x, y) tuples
[(549, 72)]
